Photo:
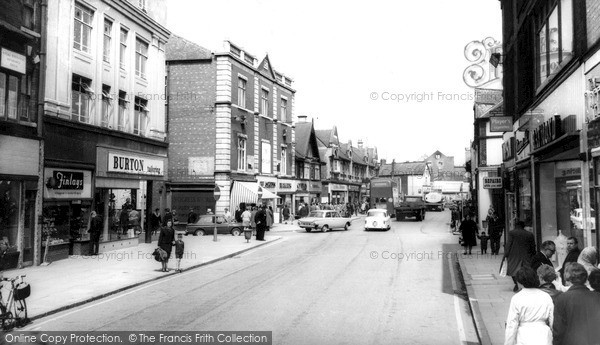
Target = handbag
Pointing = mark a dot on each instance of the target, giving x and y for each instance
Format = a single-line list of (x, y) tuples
[(503, 268)]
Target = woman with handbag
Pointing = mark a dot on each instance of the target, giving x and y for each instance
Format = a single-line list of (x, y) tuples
[(166, 240)]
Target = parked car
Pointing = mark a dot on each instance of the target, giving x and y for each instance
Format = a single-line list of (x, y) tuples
[(206, 225), (577, 218), (324, 220), (377, 219)]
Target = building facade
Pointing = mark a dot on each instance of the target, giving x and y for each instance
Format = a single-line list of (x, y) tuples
[(104, 119), (412, 178), (232, 120), (308, 165), (21, 148), (550, 74)]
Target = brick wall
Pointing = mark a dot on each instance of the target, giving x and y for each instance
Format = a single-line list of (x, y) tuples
[(192, 127)]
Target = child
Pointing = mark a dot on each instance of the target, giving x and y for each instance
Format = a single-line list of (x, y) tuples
[(179, 251), (484, 240)]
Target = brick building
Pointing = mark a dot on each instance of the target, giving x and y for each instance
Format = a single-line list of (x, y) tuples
[(551, 75), (231, 120)]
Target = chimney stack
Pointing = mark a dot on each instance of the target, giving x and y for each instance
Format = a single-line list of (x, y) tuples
[(360, 143), (302, 118)]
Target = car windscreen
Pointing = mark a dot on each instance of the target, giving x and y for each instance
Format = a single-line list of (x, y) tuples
[(317, 214), (408, 199), (376, 213), (205, 219)]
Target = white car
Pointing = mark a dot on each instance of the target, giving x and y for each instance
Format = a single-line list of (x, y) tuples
[(324, 220), (377, 219), (577, 218)]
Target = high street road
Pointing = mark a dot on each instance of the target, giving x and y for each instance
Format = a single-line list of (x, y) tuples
[(339, 287)]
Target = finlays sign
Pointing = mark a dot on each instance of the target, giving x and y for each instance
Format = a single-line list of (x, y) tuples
[(132, 164)]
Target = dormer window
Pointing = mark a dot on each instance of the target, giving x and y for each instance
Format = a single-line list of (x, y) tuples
[(438, 156)]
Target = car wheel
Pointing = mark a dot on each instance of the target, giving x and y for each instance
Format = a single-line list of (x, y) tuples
[(199, 232), (236, 232), (308, 230), (346, 226), (419, 217), (325, 228)]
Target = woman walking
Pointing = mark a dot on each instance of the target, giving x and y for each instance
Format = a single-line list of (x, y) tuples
[(166, 240), (469, 234)]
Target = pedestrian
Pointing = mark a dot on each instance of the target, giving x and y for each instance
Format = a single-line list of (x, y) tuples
[(483, 240), (246, 217), (95, 231), (227, 215), (124, 219), (192, 216), (469, 231), (530, 314), (594, 280), (252, 218), (260, 218), (496, 229), (543, 256), (238, 213), (134, 221), (269, 212), (572, 256), (155, 221), (286, 213), (577, 310), (547, 276), (179, 246), (166, 240), (168, 216), (588, 258), (520, 250)]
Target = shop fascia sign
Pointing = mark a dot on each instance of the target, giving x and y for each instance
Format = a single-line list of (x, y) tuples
[(501, 124), (547, 132), (492, 182), (521, 143), (67, 184), (132, 164), (13, 61), (341, 187), (268, 184)]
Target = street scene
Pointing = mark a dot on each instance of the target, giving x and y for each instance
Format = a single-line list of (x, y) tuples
[(285, 172)]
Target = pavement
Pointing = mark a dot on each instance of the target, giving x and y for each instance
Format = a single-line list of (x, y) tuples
[(489, 294)]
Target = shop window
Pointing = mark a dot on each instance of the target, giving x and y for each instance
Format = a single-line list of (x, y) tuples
[(82, 28), (81, 98), (9, 211)]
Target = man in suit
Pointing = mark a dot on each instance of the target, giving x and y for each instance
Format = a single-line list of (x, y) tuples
[(543, 256), (574, 251), (520, 249), (261, 223), (577, 311)]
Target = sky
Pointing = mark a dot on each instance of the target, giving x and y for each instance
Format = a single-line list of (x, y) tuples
[(386, 72)]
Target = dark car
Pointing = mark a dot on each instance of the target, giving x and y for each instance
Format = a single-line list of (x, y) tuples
[(206, 225)]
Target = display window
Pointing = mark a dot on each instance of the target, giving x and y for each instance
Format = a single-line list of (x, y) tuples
[(9, 211), (525, 212), (64, 222)]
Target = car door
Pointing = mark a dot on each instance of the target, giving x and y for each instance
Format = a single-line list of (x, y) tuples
[(336, 220), (222, 225)]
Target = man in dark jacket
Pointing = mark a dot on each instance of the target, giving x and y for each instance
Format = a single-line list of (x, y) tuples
[(543, 256), (95, 231), (577, 311), (520, 249), (572, 256), (261, 223), (192, 217)]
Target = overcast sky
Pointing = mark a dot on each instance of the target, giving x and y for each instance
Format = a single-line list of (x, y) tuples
[(343, 54)]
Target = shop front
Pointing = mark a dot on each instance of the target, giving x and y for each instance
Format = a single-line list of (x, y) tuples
[(522, 173), (592, 106), (339, 193), (302, 195), (285, 191), (125, 181), (19, 166), (66, 212), (353, 194), (314, 191), (269, 183)]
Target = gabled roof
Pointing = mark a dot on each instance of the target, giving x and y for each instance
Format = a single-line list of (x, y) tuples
[(326, 137), (342, 151), (180, 49), (359, 155), (268, 71), (306, 140), (406, 168)]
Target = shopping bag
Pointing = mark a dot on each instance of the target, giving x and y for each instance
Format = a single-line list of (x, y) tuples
[(502, 271)]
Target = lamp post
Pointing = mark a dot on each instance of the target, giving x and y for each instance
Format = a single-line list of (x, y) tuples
[(217, 195)]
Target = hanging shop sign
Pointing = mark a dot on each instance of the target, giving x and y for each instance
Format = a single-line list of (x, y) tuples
[(501, 124), (67, 184), (508, 149), (492, 182), (547, 132), (133, 164)]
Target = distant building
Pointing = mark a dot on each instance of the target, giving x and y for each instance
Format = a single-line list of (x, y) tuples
[(413, 178)]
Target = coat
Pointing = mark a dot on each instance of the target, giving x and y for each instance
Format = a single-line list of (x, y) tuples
[(166, 239), (269, 217), (530, 318), (571, 257), (576, 317), (469, 232), (520, 249), (260, 218), (540, 259)]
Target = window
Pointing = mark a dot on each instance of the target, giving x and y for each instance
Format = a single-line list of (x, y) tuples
[(80, 100), (83, 28), (266, 157), (142, 5), (140, 116), (283, 163), (283, 115), (9, 96), (122, 125), (123, 50), (312, 172), (336, 166), (555, 39), (106, 103), (141, 56), (317, 172), (300, 170), (241, 153), (107, 39), (242, 92), (28, 15), (264, 102)]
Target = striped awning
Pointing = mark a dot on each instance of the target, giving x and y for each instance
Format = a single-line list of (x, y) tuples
[(247, 192)]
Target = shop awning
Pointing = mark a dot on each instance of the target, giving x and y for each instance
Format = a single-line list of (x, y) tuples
[(247, 192)]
